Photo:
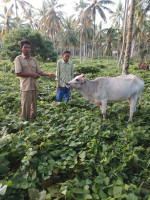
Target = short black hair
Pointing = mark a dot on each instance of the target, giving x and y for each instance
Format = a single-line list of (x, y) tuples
[(66, 51), (24, 42)]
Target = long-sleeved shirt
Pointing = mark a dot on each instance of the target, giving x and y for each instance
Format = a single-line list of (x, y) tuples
[(64, 72)]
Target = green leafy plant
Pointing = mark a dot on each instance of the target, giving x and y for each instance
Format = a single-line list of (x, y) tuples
[(70, 152)]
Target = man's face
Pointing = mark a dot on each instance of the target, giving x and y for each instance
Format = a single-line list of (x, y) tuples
[(66, 57), (26, 49)]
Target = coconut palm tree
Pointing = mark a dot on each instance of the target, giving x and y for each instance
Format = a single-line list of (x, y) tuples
[(81, 5), (124, 33), (141, 28), (40, 20), (117, 16), (6, 21), (97, 5), (20, 3), (83, 22), (129, 38), (51, 19), (110, 41), (69, 35)]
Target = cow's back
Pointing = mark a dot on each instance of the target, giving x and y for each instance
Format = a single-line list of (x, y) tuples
[(121, 87)]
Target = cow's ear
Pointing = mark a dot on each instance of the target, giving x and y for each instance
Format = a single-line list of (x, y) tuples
[(83, 79)]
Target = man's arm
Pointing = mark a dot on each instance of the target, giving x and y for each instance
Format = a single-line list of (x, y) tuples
[(28, 75), (47, 74), (39, 71), (58, 76)]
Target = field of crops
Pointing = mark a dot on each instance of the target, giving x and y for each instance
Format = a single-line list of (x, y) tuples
[(70, 152)]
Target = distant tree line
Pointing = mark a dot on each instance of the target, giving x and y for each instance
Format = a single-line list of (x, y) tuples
[(80, 34)]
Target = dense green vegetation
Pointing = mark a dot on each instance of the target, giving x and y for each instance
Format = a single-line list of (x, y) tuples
[(41, 47), (70, 152)]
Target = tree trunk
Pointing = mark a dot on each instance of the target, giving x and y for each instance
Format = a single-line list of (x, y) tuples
[(81, 46), (86, 49), (53, 37), (124, 33), (93, 37), (129, 39), (84, 52), (7, 26), (132, 48), (73, 51)]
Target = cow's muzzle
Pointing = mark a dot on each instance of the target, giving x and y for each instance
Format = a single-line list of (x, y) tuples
[(67, 85)]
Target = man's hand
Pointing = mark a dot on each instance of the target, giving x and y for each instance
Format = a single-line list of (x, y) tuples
[(47, 74), (52, 75), (58, 86)]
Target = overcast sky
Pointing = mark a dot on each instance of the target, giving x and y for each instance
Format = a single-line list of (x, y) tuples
[(69, 7)]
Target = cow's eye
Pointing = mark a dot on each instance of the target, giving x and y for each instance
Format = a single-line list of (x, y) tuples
[(77, 79)]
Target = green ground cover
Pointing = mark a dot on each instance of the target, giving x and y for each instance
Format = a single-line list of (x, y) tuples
[(70, 152)]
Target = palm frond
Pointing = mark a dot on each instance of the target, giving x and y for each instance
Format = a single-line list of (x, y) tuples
[(102, 14)]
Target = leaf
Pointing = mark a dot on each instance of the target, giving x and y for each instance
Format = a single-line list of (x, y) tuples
[(88, 181), (86, 128), (87, 196), (95, 196), (119, 182), (86, 187), (100, 178), (3, 189), (73, 144), (54, 190), (126, 187), (9, 183), (40, 167), (33, 194), (63, 190), (102, 194), (82, 155), (117, 191), (33, 175), (106, 180), (24, 184), (132, 196), (42, 195)]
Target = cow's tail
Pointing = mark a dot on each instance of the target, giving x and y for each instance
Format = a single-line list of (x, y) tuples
[(147, 68), (140, 99), (141, 93)]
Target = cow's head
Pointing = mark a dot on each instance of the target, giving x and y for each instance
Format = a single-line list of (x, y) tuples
[(77, 82)]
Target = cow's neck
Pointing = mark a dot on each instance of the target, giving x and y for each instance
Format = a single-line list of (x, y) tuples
[(87, 89)]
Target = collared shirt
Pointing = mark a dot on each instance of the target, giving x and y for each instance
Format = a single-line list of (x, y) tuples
[(64, 72), (24, 65)]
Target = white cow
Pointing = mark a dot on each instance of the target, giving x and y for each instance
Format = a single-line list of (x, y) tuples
[(109, 89)]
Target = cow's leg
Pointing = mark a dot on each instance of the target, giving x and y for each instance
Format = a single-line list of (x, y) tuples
[(129, 104), (132, 103), (103, 108)]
